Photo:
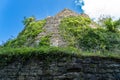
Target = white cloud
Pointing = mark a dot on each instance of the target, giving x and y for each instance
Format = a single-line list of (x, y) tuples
[(96, 8)]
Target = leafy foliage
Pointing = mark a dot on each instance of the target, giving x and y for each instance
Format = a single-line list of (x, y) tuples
[(92, 39), (78, 33), (44, 41), (81, 38), (27, 21), (26, 37), (99, 40), (110, 24), (71, 27)]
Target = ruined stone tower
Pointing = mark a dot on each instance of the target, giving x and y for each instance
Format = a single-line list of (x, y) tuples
[(52, 27)]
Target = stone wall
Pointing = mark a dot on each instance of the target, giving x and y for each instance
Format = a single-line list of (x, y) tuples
[(52, 28), (72, 68)]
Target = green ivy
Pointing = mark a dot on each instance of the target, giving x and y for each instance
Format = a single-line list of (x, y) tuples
[(44, 41), (70, 28), (27, 36), (78, 33)]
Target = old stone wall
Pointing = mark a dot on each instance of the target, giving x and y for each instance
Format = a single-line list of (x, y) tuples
[(73, 68), (52, 28)]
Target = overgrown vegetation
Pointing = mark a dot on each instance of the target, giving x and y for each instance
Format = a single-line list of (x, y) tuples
[(46, 53), (110, 24), (71, 27), (27, 36), (78, 33), (44, 41), (8, 54), (81, 38)]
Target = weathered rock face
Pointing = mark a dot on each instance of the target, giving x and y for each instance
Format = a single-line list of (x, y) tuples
[(89, 68)]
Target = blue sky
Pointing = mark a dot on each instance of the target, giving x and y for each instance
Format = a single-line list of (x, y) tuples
[(12, 13)]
